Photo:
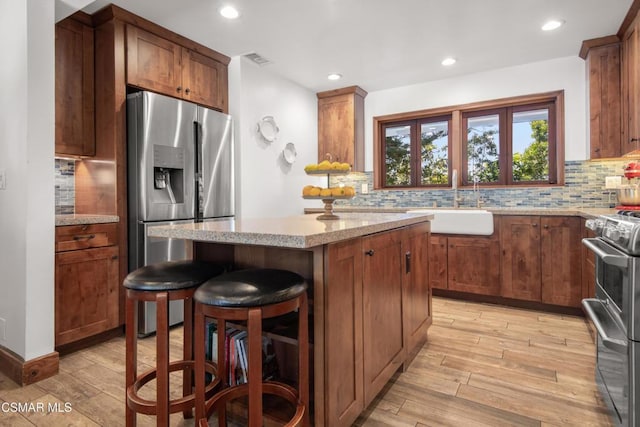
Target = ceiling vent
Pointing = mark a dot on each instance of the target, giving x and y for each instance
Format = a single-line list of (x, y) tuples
[(257, 59)]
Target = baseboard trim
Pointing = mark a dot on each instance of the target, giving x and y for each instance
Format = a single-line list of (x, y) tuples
[(30, 371)]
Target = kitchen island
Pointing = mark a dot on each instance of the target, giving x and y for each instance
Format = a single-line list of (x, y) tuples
[(369, 295)]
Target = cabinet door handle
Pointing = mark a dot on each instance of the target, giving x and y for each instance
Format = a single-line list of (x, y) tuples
[(407, 258), (546, 226), (84, 237), (634, 140), (114, 257), (179, 89), (187, 91), (370, 252)]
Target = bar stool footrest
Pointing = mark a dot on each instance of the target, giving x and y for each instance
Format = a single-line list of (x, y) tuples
[(182, 404), (275, 388)]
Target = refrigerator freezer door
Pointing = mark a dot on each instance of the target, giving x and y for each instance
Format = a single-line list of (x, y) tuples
[(215, 158), (156, 250), (161, 140)]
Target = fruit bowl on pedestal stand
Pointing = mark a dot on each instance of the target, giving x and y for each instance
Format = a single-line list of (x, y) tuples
[(327, 195)]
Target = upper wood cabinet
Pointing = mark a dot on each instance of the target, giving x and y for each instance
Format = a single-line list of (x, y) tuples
[(341, 126), (160, 65), (604, 82), (74, 87), (631, 86)]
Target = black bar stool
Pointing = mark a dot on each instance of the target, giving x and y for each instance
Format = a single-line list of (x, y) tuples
[(251, 295), (161, 283)]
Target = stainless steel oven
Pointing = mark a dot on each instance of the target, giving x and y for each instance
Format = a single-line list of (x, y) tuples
[(615, 313)]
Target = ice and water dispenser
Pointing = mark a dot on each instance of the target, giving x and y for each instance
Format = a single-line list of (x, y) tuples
[(168, 174)]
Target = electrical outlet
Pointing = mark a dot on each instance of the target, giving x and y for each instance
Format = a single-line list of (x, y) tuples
[(3, 330), (364, 188), (3, 179), (612, 181)]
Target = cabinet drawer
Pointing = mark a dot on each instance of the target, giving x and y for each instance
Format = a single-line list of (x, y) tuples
[(75, 237)]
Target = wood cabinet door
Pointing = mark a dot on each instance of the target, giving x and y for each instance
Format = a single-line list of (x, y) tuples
[(631, 86), (86, 293), (153, 62), (382, 309), (416, 292), (74, 89), (560, 246), (343, 356), (204, 80), (474, 265), (336, 129), (605, 108), (341, 126), (520, 241), (438, 262)]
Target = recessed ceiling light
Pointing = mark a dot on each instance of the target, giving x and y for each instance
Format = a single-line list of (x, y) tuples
[(334, 76), (229, 12), (448, 61), (552, 25)]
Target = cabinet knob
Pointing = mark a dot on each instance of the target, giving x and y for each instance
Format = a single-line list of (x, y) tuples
[(187, 91), (546, 226), (534, 225), (179, 89), (370, 252)]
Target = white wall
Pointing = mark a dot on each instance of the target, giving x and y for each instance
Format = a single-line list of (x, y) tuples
[(266, 185), (26, 154), (564, 73)]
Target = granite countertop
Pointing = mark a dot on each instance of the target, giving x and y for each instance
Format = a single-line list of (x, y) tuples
[(301, 231), (77, 219), (569, 211)]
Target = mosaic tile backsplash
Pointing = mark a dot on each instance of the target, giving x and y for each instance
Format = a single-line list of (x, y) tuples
[(65, 186), (584, 187)]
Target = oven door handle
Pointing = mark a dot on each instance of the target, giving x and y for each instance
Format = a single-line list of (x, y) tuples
[(605, 252), (592, 306)]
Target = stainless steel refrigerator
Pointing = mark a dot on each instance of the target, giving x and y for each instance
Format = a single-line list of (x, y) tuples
[(180, 170)]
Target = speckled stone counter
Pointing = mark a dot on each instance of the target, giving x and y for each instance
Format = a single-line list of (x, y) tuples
[(302, 231), (577, 211), (62, 220)]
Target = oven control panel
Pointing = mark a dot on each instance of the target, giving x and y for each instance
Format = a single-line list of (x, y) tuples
[(623, 231)]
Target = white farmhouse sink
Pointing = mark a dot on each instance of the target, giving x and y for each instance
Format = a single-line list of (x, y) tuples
[(460, 221)]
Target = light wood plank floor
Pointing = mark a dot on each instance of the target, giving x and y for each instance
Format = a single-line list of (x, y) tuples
[(484, 365)]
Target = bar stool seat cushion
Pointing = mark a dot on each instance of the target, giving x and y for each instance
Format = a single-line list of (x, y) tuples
[(251, 288), (171, 275)]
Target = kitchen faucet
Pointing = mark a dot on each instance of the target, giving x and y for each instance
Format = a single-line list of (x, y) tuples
[(454, 185), (476, 191)]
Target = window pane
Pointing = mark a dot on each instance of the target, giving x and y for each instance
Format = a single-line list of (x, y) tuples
[(398, 155), (483, 142), (434, 151), (531, 145)]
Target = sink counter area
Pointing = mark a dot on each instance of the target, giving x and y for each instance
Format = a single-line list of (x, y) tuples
[(301, 232)]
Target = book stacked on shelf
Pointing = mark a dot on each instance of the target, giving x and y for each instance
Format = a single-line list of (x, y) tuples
[(236, 351)]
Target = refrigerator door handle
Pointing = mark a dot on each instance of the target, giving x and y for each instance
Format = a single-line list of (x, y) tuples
[(197, 138)]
